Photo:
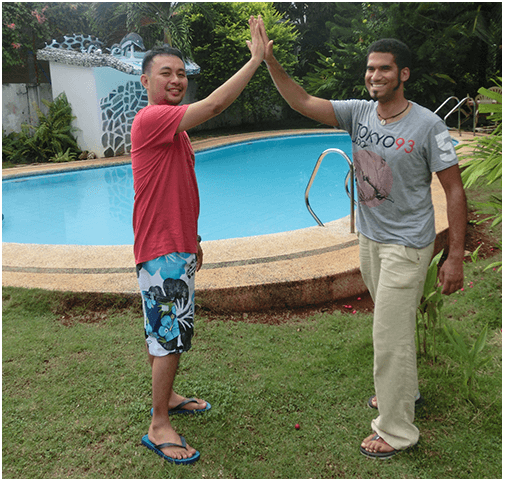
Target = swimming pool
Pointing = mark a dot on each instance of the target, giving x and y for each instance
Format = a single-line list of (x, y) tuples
[(246, 189)]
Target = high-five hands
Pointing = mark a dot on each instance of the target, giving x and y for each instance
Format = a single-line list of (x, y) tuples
[(269, 50), (256, 45)]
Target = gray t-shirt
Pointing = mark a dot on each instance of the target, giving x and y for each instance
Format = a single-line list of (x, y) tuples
[(393, 170)]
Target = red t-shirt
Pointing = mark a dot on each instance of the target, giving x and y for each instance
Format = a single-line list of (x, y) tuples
[(166, 205)]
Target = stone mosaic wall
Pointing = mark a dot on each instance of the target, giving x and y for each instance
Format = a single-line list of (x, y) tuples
[(117, 112), (78, 42)]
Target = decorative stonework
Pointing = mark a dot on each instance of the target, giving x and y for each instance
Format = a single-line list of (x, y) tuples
[(87, 51), (118, 110), (79, 42), (71, 57)]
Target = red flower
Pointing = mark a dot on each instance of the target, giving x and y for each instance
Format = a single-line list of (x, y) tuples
[(40, 17)]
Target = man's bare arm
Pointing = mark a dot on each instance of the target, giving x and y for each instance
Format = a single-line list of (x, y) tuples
[(298, 99), (203, 110), (451, 273)]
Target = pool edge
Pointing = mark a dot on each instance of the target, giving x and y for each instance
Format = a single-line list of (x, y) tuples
[(257, 283)]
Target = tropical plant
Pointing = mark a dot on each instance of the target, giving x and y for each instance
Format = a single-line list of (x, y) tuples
[(428, 313), (172, 18), (66, 156), (11, 144), (23, 26), (470, 358), (221, 50), (474, 256), (484, 162), (108, 21), (51, 138), (456, 47), (311, 21)]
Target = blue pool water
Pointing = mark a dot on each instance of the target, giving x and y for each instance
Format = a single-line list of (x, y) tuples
[(246, 189)]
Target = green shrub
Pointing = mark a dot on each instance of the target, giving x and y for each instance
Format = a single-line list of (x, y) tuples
[(471, 358), (12, 145), (45, 142)]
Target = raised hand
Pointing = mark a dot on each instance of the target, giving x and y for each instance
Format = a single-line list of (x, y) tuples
[(255, 45), (269, 44)]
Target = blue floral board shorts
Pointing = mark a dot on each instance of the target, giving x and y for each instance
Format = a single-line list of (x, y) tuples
[(167, 285)]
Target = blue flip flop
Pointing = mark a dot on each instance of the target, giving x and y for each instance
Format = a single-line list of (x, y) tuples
[(180, 410), (156, 450)]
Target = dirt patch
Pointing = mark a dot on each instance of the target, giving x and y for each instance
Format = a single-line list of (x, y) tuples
[(480, 235), (72, 308)]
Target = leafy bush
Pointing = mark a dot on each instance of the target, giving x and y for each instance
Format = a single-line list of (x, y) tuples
[(63, 156), (46, 141), (455, 47), (220, 50), (11, 145), (484, 163)]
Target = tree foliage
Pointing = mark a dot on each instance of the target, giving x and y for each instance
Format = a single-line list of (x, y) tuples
[(456, 48), (339, 73), (51, 139), (221, 50), (484, 163), (310, 20), (27, 26), (156, 22)]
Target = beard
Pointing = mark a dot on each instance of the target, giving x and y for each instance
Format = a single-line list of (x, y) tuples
[(375, 94)]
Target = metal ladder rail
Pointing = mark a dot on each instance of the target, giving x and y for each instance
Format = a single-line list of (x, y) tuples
[(453, 97), (458, 107), (350, 175)]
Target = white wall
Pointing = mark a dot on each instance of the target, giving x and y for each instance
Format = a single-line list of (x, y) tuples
[(18, 104), (78, 83)]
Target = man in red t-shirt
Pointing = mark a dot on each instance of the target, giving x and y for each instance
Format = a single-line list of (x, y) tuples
[(165, 218)]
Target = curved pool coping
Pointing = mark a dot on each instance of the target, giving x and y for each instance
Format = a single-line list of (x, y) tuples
[(285, 270)]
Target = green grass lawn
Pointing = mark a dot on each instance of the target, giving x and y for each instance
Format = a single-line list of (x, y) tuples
[(76, 394)]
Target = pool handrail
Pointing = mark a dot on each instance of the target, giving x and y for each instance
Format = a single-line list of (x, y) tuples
[(457, 108), (350, 175), (471, 102)]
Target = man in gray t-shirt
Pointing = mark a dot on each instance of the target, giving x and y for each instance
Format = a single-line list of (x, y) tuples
[(397, 145), (393, 169)]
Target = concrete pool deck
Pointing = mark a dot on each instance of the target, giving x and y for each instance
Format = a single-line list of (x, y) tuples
[(291, 269)]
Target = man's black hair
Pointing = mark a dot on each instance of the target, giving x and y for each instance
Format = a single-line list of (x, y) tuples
[(162, 50), (401, 53)]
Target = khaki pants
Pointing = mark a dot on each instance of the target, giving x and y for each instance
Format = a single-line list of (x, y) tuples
[(395, 277)]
